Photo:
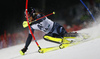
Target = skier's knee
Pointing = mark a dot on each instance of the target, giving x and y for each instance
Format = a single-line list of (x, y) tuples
[(46, 37), (50, 39)]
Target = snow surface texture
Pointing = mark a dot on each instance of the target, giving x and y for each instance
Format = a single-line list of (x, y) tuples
[(87, 50)]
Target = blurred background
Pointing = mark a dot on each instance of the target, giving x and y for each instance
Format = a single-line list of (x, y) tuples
[(69, 13)]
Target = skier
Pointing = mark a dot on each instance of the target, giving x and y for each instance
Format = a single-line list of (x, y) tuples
[(54, 31)]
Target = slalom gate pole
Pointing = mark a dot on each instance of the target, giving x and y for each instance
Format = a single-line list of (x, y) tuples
[(88, 10), (29, 25)]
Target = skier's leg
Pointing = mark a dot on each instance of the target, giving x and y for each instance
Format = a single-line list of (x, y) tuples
[(56, 40), (28, 41)]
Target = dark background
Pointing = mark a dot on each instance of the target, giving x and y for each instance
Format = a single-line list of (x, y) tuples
[(12, 11)]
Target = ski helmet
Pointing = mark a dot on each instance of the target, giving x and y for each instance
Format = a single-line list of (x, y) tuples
[(31, 11)]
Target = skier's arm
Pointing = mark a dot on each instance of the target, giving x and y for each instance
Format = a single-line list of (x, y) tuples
[(40, 20), (28, 40), (25, 24)]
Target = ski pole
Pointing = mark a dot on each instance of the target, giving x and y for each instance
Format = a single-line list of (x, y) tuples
[(29, 25), (25, 22), (88, 10), (46, 15)]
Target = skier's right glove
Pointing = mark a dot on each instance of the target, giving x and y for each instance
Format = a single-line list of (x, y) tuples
[(25, 24)]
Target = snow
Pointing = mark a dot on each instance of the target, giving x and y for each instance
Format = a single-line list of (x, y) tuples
[(86, 50)]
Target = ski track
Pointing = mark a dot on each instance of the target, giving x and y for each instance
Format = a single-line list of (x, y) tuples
[(86, 50)]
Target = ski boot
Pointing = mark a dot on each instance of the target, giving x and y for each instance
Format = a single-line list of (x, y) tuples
[(65, 43), (63, 46), (22, 52)]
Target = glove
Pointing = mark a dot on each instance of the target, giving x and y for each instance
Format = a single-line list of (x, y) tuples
[(25, 24)]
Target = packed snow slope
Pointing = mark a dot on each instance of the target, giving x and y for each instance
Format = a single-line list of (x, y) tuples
[(86, 50)]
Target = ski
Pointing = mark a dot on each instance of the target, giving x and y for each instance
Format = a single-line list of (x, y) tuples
[(62, 46), (44, 50), (80, 39), (77, 40)]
